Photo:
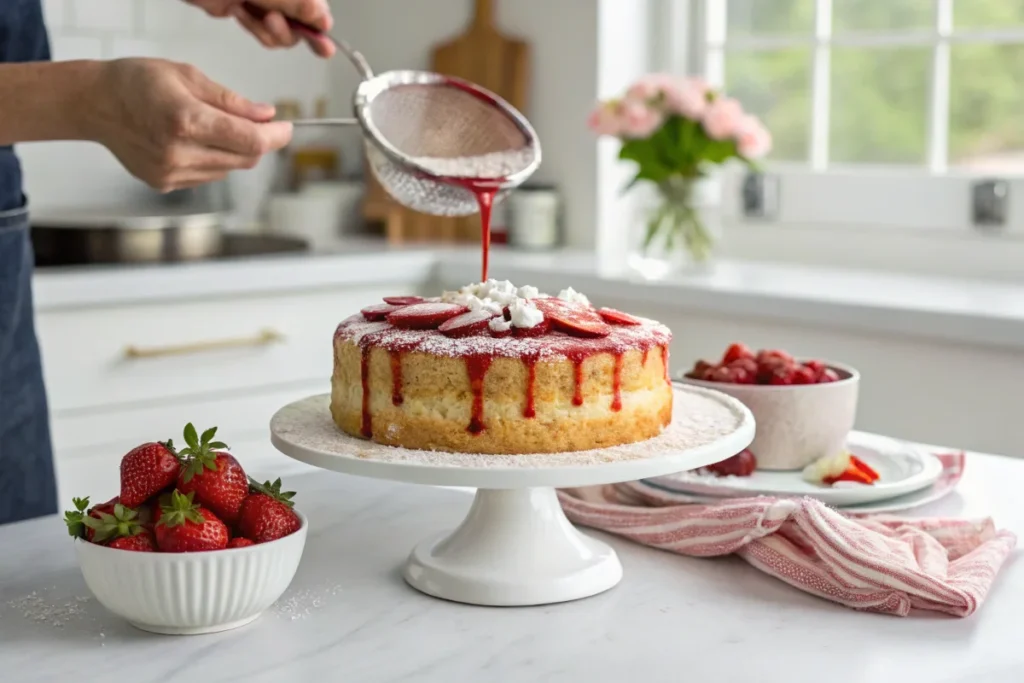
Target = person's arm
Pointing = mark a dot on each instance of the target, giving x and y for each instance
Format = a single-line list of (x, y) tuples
[(47, 101), (167, 123)]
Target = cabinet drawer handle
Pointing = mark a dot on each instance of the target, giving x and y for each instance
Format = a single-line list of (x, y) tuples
[(264, 337)]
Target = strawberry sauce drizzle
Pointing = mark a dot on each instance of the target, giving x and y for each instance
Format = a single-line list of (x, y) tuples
[(529, 410), (397, 342), (617, 384), (396, 378), (643, 360), (577, 372), (476, 367), (364, 368)]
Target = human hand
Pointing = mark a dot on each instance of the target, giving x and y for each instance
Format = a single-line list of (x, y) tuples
[(273, 30), (172, 127)]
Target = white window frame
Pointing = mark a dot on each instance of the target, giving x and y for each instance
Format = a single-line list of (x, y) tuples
[(690, 38)]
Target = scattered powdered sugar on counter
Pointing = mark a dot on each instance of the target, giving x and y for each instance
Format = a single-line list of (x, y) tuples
[(53, 612), (302, 602), (494, 165), (698, 419)]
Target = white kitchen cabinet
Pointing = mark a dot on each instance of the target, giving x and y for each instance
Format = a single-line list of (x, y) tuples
[(123, 355), (200, 361)]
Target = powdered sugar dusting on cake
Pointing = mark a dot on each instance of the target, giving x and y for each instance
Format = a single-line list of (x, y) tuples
[(698, 419), (554, 345), (495, 296)]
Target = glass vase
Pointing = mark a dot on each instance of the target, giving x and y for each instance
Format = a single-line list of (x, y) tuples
[(680, 231)]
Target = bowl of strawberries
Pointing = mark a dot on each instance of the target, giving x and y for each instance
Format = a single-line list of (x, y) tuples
[(191, 544), (803, 409)]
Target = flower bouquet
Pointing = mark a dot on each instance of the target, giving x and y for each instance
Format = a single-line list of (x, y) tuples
[(675, 130)]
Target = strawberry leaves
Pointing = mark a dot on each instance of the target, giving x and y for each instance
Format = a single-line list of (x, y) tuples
[(74, 518), (180, 509), (200, 452), (105, 526), (273, 490)]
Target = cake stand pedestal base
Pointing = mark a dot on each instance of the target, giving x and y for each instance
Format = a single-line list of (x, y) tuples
[(514, 548)]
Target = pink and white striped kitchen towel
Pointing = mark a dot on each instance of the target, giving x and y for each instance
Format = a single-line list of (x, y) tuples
[(880, 564)]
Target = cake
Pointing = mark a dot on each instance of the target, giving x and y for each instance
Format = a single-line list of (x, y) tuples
[(492, 368)]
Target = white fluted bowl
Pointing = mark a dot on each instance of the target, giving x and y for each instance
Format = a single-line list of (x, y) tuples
[(192, 593)]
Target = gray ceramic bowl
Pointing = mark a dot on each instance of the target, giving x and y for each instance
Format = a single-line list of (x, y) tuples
[(796, 424)]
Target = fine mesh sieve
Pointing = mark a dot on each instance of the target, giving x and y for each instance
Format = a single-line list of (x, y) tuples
[(434, 141)]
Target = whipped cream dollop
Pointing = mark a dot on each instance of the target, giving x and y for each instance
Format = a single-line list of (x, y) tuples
[(494, 296), (572, 296)]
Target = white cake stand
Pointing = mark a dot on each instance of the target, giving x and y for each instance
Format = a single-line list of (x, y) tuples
[(516, 547)]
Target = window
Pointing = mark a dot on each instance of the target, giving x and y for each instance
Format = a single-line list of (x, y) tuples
[(882, 111)]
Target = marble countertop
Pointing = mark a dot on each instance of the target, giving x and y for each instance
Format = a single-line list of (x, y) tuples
[(929, 308), (349, 616)]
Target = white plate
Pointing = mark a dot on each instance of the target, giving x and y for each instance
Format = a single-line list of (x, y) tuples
[(909, 501), (902, 468)]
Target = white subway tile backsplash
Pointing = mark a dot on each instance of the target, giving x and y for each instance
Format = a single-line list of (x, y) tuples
[(55, 13), (132, 47), (106, 15), (168, 17), (65, 47)]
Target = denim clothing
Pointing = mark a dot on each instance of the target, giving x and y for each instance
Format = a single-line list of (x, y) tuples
[(27, 485)]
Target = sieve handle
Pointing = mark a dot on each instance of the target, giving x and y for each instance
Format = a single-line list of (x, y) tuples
[(354, 56), (325, 122)]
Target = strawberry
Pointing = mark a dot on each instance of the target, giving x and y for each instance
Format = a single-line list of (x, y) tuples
[(538, 330), (267, 513), (425, 316), (828, 375), (466, 324), (378, 311), (217, 478), (804, 375), (140, 543), (742, 464), (186, 527), (121, 522), (816, 366), (721, 374), (240, 542), (403, 300), (701, 369), (613, 317), (147, 470), (574, 320), (770, 355), (736, 351)]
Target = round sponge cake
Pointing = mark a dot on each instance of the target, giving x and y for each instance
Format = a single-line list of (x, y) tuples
[(554, 392)]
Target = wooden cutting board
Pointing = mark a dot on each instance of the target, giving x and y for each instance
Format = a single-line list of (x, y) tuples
[(484, 55), (498, 62)]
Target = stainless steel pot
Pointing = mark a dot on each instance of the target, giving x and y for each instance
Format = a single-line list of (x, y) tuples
[(127, 237)]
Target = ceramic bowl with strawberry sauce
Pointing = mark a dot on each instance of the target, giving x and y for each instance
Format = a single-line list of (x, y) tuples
[(803, 409), (191, 544)]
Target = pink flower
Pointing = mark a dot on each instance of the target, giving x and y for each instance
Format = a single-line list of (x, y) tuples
[(753, 140), (604, 120), (638, 120), (687, 100), (650, 86), (722, 118)]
